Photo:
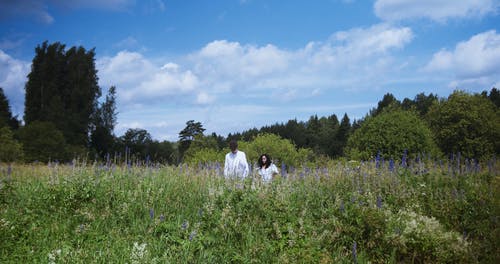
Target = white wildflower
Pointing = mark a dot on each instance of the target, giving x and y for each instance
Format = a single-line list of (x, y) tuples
[(139, 251), (53, 255)]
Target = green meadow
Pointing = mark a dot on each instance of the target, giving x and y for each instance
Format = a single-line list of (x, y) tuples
[(343, 212)]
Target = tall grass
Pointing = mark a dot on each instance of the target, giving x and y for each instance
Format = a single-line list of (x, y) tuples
[(382, 212)]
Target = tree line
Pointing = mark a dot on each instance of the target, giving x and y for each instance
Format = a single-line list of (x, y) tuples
[(66, 116)]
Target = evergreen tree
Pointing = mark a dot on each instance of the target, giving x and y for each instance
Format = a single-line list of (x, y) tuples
[(6, 118), (188, 134), (342, 136), (104, 120), (62, 89), (387, 101)]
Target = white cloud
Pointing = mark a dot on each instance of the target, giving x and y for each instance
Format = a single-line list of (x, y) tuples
[(13, 74), (140, 80), (346, 60), (204, 98), (437, 10), (472, 61)]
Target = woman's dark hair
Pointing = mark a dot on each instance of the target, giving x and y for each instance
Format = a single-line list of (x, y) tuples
[(268, 161)]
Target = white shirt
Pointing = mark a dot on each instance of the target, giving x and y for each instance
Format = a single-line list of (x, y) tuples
[(267, 173), (236, 165)]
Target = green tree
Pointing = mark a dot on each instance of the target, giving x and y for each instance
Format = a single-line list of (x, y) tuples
[(188, 134), (391, 133), (6, 118), (387, 101), (102, 138), (164, 152), (465, 123), (203, 149), (341, 136), (42, 141), (11, 149), (62, 89), (137, 141), (494, 96), (421, 103), (281, 150)]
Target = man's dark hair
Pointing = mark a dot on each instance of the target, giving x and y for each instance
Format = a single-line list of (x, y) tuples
[(233, 145)]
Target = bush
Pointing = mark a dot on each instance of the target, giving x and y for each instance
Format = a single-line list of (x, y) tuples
[(11, 149), (42, 141), (391, 133)]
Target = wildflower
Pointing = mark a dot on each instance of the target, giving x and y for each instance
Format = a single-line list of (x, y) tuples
[(139, 251), (192, 235), (342, 209), (403, 160), (354, 252), (53, 255), (379, 202), (151, 213), (162, 218), (283, 170), (377, 160), (185, 225)]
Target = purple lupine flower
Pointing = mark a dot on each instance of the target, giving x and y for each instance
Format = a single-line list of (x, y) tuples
[(192, 235), (391, 165), (162, 218), (342, 208), (151, 213), (184, 225), (377, 160), (354, 252), (379, 202), (403, 159), (9, 171), (283, 170)]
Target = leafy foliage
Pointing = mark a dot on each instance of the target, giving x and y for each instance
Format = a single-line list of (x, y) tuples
[(336, 214), (43, 142), (465, 123), (102, 138), (391, 133), (11, 149), (62, 89)]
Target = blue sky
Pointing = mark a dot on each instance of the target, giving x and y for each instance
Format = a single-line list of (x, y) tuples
[(238, 64)]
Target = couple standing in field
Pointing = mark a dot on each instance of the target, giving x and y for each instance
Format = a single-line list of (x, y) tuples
[(235, 164)]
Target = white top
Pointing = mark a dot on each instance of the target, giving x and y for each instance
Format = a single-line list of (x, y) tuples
[(236, 165), (267, 174)]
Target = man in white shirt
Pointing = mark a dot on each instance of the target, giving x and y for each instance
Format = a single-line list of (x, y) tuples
[(235, 165)]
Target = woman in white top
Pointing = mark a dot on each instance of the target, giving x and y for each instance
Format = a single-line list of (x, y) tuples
[(266, 168)]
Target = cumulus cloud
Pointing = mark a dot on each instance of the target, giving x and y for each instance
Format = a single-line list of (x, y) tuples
[(139, 80), (13, 74), (436, 10), (472, 61), (231, 66), (345, 60)]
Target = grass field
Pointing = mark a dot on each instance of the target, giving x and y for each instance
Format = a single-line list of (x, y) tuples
[(378, 212)]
